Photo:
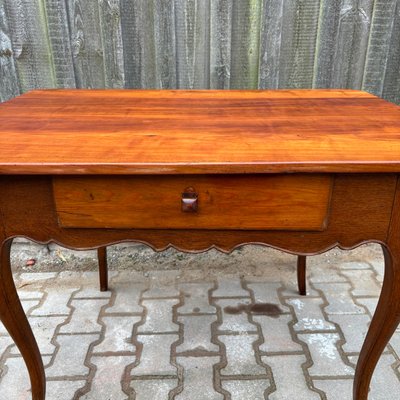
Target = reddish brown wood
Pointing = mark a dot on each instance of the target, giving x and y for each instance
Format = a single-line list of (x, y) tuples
[(103, 268), (277, 201), (186, 132), (13, 317), (301, 275)]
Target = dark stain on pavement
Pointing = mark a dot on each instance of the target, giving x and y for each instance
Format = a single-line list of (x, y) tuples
[(269, 309)]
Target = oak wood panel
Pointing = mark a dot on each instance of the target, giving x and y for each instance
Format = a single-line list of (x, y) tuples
[(194, 132), (284, 202)]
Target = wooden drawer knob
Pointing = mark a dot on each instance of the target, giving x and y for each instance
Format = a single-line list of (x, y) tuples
[(189, 200)]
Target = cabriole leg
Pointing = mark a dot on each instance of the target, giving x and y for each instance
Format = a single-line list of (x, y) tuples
[(383, 325), (14, 319)]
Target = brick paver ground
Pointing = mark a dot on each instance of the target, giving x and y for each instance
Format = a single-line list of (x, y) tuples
[(158, 336)]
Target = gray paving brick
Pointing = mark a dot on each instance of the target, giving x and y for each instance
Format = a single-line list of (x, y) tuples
[(106, 383), (55, 302), (363, 283), (325, 274), (84, 317), (24, 294), (155, 358), (240, 355), (325, 355), (63, 390), (246, 389), (198, 378), (379, 267), (230, 286), (233, 318), (43, 329), (339, 299), (331, 388), (5, 341), (309, 314), (267, 292), (117, 334), (28, 305), (159, 316), (354, 328), (289, 378), (153, 389), (196, 298), (369, 302), (69, 360), (162, 284), (92, 292), (28, 278), (197, 333), (276, 332), (127, 298), (354, 265)]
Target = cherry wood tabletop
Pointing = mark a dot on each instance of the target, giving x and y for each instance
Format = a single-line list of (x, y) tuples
[(194, 132)]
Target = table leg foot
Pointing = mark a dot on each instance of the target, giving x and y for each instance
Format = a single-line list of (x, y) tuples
[(14, 319), (103, 268), (383, 325), (301, 275)]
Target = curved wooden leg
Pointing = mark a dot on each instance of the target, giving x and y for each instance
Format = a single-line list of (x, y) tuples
[(301, 275), (383, 325), (103, 268), (14, 319)]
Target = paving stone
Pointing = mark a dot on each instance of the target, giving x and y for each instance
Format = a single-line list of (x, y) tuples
[(309, 315), (339, 299), (196, 298), (159, 316), (56, 302), (198, 378), (276, 332), (246, 389), (325, 274), (106, 383), (267, 292), (63, 390), (15, 384), (197, 333), (28, 305), (155, 358), (230, 286), (234, 318), (117, 334), (369, 302), (289, 378), (364, 283), (127, 298), (92, 292), (379, 267), (84, 317), (240, 355), (325, 355), (43, 328), (395, 343), (27, 278), (354, 328), (354, 265), (331, 387), (5, 341), (153, 389), (70, 358), (162, 284), (29, 294)]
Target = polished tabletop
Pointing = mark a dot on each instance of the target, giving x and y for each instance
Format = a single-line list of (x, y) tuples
[(172, 131)]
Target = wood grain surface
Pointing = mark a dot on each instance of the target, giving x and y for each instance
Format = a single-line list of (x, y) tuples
[(191, 132), (277, 202)]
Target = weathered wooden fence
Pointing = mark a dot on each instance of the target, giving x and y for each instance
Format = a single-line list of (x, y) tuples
[(200, 44)]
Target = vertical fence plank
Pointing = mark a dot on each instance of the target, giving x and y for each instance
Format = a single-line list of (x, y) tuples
[(58, 31), (87, 47), (270, 46), (31, 48), (379, 45), (192, 24), (245, 45), (165, 43), (220, 43), (9, 86), (391, 86), (112, 43), (351, 43), (299, 43), (138, 39)]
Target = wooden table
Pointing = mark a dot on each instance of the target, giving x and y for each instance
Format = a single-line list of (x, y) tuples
[(301, 170)]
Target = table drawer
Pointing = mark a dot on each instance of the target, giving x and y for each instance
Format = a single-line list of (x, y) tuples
[(252, 202)]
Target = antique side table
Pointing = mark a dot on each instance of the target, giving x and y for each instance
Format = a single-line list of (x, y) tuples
[(301, 170)]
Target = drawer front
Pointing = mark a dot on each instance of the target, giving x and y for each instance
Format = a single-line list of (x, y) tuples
[(251, 202)]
